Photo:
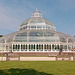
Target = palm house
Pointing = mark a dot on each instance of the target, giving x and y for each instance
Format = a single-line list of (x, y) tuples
[(37, 34)]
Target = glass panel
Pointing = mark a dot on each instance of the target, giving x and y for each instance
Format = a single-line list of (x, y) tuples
[(65, 46), (18, 46), (44, 46), (26, 46), (32, 47), (37, 46), (40, 46), (36, 33), (53, 47), (14, 46), (21, 37), (29, 47)]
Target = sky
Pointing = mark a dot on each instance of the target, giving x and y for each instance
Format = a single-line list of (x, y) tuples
[(60, 12)]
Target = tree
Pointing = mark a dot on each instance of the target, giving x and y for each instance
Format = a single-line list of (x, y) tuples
[(1, 35)]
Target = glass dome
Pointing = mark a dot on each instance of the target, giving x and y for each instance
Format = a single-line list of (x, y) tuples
[(37, 22)]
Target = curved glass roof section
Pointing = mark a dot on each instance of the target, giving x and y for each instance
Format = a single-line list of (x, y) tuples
[(38, 21), (37, 36)]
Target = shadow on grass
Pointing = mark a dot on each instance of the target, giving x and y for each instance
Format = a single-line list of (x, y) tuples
[(22, 72)]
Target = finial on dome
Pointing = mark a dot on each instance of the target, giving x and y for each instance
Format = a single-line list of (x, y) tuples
[(36, 14)]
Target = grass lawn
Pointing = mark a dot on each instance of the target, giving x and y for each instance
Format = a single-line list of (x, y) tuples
[(37, 68)]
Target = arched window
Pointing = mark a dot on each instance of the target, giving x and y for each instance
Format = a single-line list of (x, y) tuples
[(37, 46), (53, 46), (16, 47), (45, 46), (26, 46), (29, 47)]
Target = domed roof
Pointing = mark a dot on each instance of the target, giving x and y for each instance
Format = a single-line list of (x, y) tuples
[(36, 18)]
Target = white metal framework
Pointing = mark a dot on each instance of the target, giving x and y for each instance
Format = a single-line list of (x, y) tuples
[(37, 34)]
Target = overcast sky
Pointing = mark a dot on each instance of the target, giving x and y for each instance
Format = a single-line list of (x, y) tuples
[(59, 12)]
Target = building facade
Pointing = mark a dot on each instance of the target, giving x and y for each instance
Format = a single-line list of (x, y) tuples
[(37, 34)]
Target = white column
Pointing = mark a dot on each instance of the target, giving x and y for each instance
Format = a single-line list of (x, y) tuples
[(27, 47), (54, 47), (5, 44), (51, 47), (63, 47), (20, 48), (43, 47), (12, 48), (46, 46), (17, 47), (59, 47), (67, 44), (67, 48), (38, 47)]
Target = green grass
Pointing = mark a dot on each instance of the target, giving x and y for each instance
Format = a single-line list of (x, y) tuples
[(37, 68)]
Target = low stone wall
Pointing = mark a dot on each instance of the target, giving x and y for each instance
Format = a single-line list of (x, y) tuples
[(43, 56), (38, 53)]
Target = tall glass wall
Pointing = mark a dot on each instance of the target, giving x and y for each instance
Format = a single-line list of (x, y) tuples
[(36, 36)]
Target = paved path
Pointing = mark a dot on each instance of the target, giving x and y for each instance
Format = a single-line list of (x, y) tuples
[(32, 58), (37, 58)]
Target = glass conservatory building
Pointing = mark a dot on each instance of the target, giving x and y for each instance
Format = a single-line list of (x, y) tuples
[(37, 34)]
